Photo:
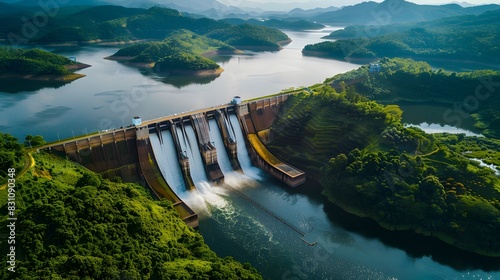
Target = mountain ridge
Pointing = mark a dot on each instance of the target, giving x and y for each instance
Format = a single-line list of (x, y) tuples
[(396, 11)]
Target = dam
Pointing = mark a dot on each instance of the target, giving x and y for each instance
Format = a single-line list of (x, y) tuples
[(177, 152)]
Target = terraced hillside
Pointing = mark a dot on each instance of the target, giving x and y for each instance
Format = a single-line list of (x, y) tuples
[(316, 127)]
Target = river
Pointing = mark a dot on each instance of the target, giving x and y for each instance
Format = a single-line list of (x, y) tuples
[(346, 247)]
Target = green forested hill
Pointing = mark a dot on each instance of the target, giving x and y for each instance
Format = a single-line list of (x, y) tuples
[(32, 62), (180, 41), (292, 24), (368, 163), (114, 23), (36, 65), (462, 38), (405, 79), (180, 51), (250, 37), (396, 11), (74, 225)]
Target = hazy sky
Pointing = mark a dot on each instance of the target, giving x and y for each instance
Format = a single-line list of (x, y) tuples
[(339, 3)]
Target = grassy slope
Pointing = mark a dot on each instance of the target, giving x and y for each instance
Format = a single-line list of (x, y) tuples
[(72, 228), (311, 131)]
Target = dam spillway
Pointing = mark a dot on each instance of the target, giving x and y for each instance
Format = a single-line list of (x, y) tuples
[(176, 153)]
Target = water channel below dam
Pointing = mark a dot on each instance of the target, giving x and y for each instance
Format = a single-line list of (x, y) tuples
[(257, 219)]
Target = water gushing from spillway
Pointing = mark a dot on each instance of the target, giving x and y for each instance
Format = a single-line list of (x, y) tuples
[(206, 197), (231, 177), (166, 157), (243, 157), (222, 157)]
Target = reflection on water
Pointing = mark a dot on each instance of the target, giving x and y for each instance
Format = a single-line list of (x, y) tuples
[(439, 128), (415, 245), (181, 81), (16, 85), (348, 247), (432, 118)]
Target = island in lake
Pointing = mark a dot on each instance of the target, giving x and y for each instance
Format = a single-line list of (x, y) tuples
[(37, 64), (182, 53)]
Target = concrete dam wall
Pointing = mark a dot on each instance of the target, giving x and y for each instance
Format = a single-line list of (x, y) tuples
[(128, 152)]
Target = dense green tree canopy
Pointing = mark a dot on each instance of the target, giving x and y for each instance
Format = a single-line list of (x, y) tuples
[(31, 62), (11, 155), (406, 79), (74, 225), (464, 38), (370, 164)]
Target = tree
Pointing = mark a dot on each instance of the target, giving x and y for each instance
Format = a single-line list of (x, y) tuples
[(89, 179), (33, 141)]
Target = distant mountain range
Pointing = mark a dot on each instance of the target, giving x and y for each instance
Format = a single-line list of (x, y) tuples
[(387, 12)]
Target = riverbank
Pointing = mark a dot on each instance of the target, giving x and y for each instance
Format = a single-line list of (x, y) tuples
[(395, 228)]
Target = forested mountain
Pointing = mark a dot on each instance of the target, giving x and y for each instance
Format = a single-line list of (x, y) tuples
[(486, 20), (396, 11), (113, 23), (462, 38), (211, 8), (29, 3)]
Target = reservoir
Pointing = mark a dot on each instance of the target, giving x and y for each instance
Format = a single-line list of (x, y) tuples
[(346, 247), (112, 93)]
